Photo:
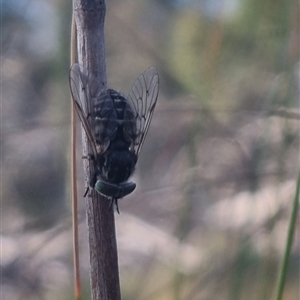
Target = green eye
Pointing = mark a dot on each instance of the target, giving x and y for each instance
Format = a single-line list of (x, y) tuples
[(117, 191)]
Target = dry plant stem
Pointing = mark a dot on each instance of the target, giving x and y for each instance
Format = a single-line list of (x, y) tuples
[(104, 273), (77, 284)]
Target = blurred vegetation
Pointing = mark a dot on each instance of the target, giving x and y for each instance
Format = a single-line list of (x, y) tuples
[(217, 173)]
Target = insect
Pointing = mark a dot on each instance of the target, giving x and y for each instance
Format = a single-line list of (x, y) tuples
[(116, 127)]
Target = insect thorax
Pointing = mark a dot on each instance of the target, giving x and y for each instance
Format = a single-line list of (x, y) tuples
[(115, 126), (113, 117)]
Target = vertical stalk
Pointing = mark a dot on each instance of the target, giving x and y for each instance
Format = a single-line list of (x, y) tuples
[(289, 242), (77, 284), (104, 275)]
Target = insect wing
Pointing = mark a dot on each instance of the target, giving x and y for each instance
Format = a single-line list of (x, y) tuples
[(142, 100), (84, 87)]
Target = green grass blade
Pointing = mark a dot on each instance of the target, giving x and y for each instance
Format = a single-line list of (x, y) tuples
[(289, 242)]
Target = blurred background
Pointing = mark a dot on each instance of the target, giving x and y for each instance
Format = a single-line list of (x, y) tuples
[(217, 174)]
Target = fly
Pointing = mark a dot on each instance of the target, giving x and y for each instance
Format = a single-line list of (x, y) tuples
[(116, 127)]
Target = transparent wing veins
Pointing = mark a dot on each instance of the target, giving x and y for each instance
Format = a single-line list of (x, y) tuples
[(143, 98), (84, 88)]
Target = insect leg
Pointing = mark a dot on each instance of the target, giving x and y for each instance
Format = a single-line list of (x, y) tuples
[(117, 205), (111, 205), (86, 192)]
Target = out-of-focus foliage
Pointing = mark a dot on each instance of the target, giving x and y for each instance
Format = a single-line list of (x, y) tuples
[(217, 173)]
